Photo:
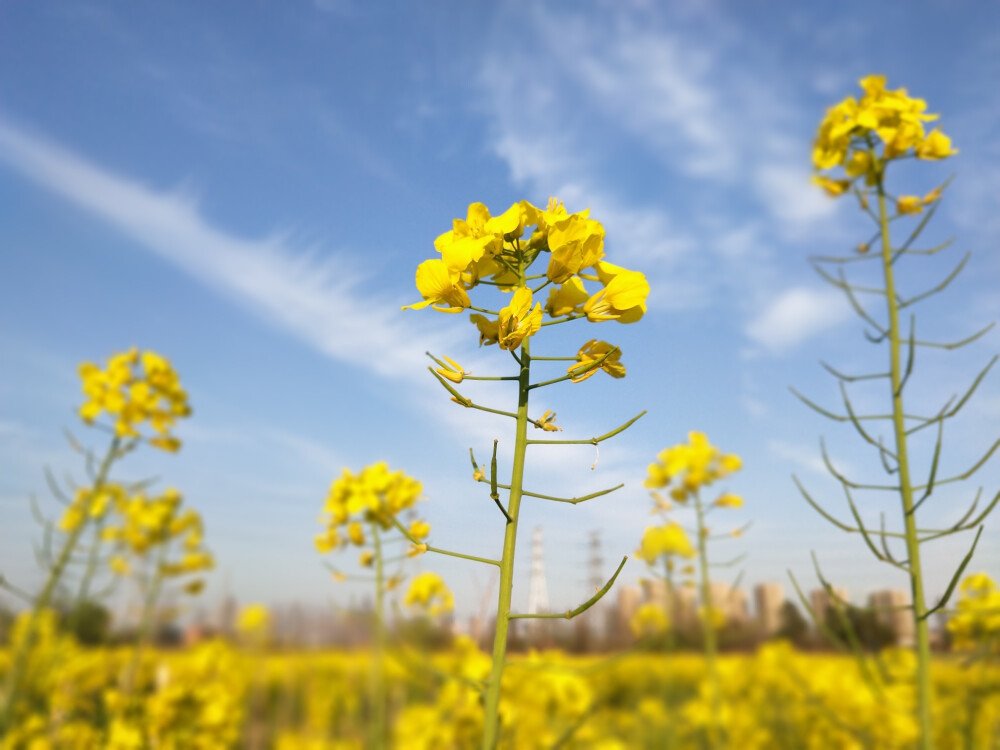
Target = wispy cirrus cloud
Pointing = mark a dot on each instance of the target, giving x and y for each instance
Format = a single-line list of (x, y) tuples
[(579, 105), (288, 286)]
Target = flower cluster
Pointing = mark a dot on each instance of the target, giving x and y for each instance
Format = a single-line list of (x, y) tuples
[(136, 388), (375, 495), (147, 523), (691, 466), (669, 540), (851, 131), (88, 504), (429, 592), (495, 251), (977, 620)]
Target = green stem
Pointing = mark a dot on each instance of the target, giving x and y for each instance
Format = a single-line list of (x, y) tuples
[(378, 723), (491, 734), (708, 626), (88, 575), (45, 597), (148, 618), (670, 606), (922, 645)]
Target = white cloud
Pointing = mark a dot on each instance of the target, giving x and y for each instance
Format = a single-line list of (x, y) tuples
[(313, 299), (796, 315), (802, 456), (790, 198)]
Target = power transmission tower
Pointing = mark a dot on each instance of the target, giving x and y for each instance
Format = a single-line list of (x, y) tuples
[(538, 593)]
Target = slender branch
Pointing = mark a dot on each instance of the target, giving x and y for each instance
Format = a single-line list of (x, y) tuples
[(591, 441), (406, 532), (861, 526), (954, 578), (571, 500), (957, 344), (851, 378), (940, 287), (966, 474), (570, 614), (933, 471)]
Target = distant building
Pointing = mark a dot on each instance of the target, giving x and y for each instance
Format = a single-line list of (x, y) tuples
[(731, 602), (620, 618), (682, 601), (892, 610), (769, 598), (821, 601)]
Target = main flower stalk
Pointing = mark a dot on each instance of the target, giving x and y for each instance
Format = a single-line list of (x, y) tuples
[(922, 646), (492, 728)]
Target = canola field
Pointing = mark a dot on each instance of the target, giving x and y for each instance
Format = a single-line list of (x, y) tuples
[(215, 695)]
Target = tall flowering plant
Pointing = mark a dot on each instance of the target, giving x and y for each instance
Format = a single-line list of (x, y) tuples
[(500, 252), (362, 510), (137, 398), (683, 471), (859, 141)]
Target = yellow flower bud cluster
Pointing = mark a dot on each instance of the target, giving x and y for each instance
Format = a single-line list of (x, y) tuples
[(90, 505), (145, 523), (977, 619), (491, 249), (668, 540), (198, 701), (690, 466), (254, 621), (376, 494), (649, 621), (851, 130), (132, 389), (429, 592)]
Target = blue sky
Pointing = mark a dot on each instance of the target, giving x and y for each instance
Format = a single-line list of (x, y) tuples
[(248, 190)]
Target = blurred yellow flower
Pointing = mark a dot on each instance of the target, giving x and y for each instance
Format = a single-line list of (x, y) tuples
[(135, 388), (429, 592), (547, 422), (849, 132), (909, 204), (649, 620), (667, 540), (420, 529), (692, 465), (253, 620)]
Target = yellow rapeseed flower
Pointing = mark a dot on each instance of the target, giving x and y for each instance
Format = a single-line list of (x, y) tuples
[(649, 620), (489, 330), (667, 540), (518, 320), (576, 242), (567, 298), (440, 288), (547, 422), (133, 389), (429, 592), (623, 297), (909, 204), (589, 354), (451, 371)]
